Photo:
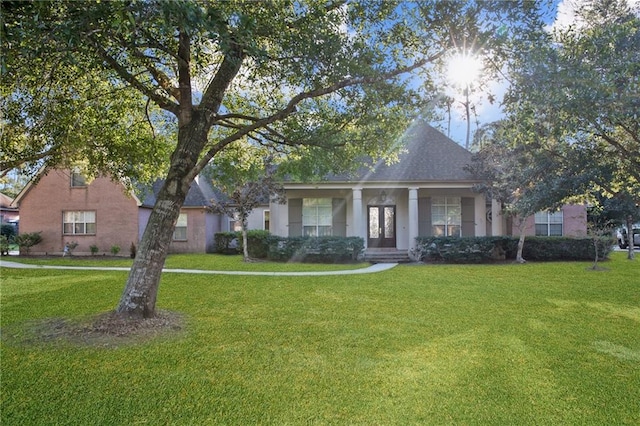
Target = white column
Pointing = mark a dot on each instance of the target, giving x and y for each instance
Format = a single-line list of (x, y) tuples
[(357, 222), (496, 219), (480, 209), (413, 216)]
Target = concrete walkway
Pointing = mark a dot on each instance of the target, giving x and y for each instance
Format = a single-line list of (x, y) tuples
[(378, 267)]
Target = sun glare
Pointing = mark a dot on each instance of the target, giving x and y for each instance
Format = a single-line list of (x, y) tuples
[(464, 69)]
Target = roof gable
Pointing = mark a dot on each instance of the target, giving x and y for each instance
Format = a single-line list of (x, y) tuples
[(426, 155), (200, 194)]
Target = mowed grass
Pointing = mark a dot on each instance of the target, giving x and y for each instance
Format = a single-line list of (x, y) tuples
[(540, 343), (207, 262)]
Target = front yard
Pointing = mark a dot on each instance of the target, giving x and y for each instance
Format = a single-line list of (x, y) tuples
[(540, 343)]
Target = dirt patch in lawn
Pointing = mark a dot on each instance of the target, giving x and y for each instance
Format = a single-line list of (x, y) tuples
[(108, 330)]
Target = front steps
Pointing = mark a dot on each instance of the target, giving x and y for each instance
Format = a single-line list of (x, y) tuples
[(386, 256)]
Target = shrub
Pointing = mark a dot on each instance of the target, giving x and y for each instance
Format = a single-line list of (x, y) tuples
[(257, 242), (4, 245), (70, 247), (8, 231), (115, 250), (564, 248), (94, 249), (315, 249), (491, 249), (28, 240), (228, 242), (463, 250)]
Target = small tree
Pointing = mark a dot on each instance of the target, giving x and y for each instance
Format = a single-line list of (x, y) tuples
[(519, 166), (28, 240), (246, 179)]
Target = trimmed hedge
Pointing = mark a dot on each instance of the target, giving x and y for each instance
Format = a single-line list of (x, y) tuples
[(493, 249), (263, 245), (227, 242), (315, 249)]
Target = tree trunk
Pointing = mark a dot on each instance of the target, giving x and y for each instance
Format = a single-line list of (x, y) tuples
[(245, 242), (521, 227), (245, 249), (595, 248), (519, 257), (630, 242), (139, 297)]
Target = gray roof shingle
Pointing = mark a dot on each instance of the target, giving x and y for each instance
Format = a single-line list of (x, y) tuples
[(427, 155), (199, 195)]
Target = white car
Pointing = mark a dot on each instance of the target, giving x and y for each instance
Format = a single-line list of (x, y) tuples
[(622, 236)]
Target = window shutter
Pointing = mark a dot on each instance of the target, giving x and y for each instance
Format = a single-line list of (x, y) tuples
[(468, 217), (295, 217), (339, 207), (424, 217)]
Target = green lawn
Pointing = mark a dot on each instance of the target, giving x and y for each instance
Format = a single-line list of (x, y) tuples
[(540, 343), (210, 262)]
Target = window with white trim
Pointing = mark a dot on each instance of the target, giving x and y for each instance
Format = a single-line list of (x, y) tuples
[(235, 223), (549, 223), (180, 231), (79, 223), (316, 217), (266, 219), (78, 180), (446, 216)]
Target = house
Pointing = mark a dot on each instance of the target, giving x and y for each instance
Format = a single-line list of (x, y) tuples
[(427, 192), (66, 208)]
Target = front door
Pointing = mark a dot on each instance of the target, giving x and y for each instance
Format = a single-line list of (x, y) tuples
[(382, 226)]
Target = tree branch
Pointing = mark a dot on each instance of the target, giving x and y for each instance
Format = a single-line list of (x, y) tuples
[(291, 106), (160, 100)]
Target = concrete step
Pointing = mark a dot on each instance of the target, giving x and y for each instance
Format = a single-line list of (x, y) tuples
[(386, 256)]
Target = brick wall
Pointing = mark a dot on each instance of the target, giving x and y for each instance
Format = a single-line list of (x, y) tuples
[(42, 207)]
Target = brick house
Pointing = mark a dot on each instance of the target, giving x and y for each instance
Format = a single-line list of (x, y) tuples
[(66, 208)]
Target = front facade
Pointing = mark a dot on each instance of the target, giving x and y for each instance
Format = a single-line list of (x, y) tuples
[(428, 192)]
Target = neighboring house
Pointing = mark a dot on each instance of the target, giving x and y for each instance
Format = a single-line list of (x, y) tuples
[(427, 192)]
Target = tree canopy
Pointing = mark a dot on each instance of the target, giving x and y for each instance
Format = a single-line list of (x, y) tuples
[(317, 82)]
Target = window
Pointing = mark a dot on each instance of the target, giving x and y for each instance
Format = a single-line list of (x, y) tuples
[(549, 223), (446, 216), (266, 219), (316, 217), (235, 223), (78, 180), (79, 223), (180, 231)]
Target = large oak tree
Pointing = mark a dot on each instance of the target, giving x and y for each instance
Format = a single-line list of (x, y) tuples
[(320, 82)]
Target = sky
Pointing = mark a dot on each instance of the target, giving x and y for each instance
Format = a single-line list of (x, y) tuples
[(562, 14)]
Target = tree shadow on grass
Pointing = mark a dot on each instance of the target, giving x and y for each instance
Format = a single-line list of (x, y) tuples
[(106, 330)]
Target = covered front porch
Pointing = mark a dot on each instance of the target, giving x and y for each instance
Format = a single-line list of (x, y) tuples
[(388, 217)]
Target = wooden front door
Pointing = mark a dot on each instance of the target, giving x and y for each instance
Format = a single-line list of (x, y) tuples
[(381, 230)]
